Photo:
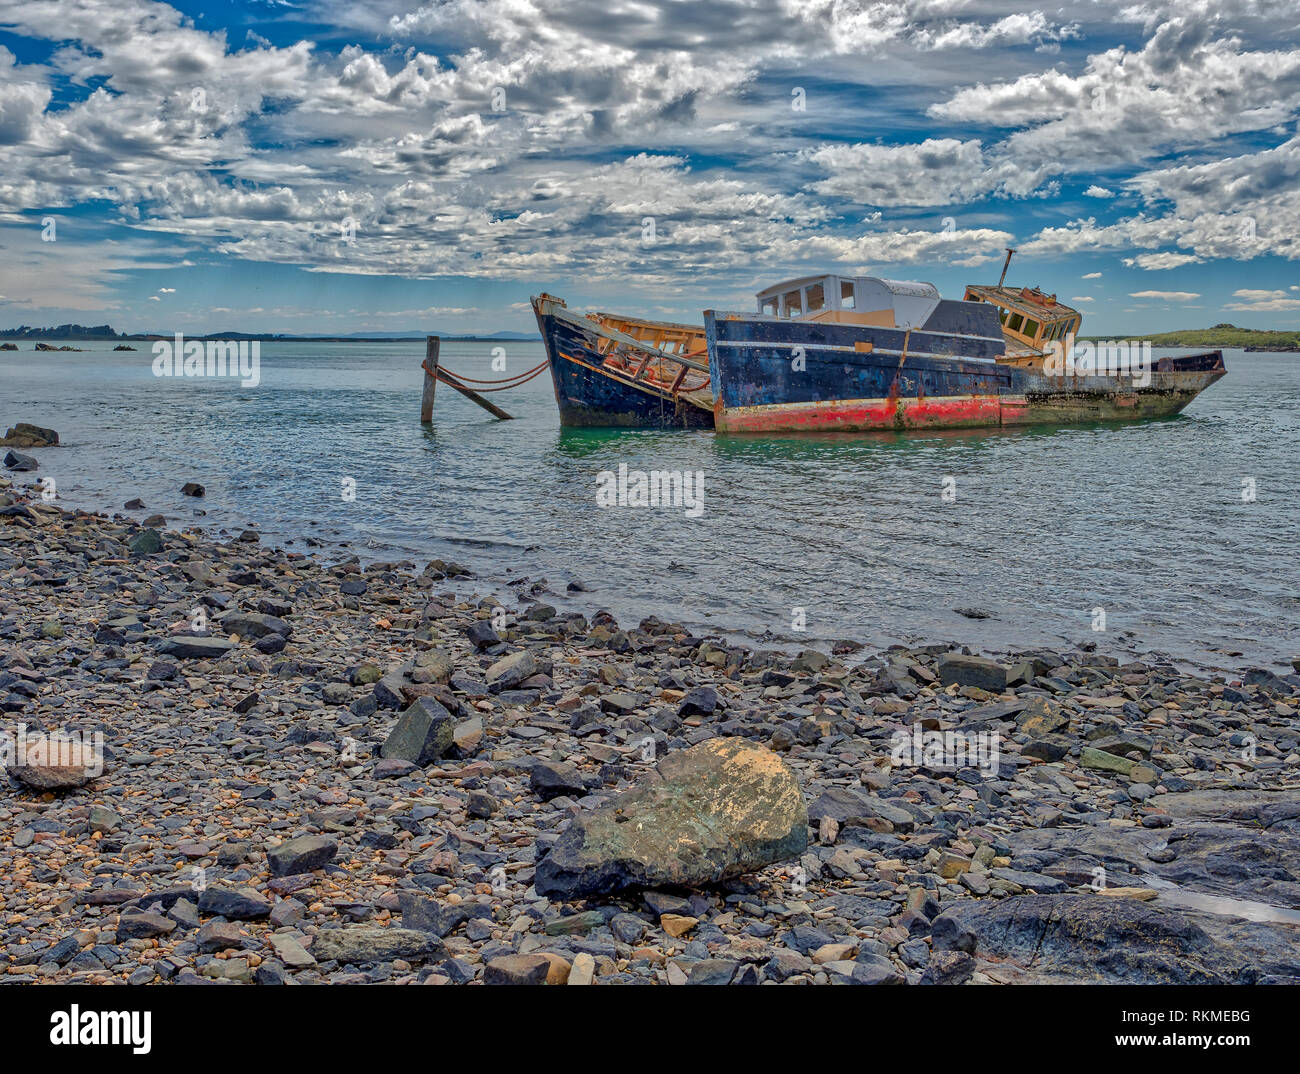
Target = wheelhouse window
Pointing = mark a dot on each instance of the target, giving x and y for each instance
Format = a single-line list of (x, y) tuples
[(1014, 322), (769, 306), (1031, 328), (793, 303), (816, 293), (848, 298)]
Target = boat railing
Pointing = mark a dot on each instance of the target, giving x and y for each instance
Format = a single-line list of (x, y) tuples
[(635, 351)]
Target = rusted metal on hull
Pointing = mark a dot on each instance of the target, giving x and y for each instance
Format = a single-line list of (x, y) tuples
[(596, 388), (917, 362), (863, 415), (761, 390), (962, 412)]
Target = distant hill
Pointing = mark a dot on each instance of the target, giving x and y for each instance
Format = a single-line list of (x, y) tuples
[(63, 331), (104, 331), (1221, 335)]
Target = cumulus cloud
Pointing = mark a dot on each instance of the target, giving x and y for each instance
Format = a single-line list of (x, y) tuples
[(1262, 301), (1166, 260), (507, 139)]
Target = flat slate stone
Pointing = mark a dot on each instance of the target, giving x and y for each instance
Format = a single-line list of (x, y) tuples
[(361, 946), (302, 855), (958, 669), (196, 647)]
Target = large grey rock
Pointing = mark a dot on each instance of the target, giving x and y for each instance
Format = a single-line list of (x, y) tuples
[(20, 463), (550, 779), (196, 647), (54, 764), (302, 855), (517, 970), (25, 434), (718, 810), (423, 733), (435, 665), (426, 914), (147, 542), (848, 808), (254, 625), (510, 671), (234, 903), (957, 669), (143, 925), (1095, 938)]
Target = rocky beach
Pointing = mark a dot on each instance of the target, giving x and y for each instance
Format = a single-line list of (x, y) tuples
[(293, 769)]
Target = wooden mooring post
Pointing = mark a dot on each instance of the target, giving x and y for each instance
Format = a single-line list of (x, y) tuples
[(431, 345), (432, 374)]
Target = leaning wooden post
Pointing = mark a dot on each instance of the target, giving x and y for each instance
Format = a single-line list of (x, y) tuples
[(431, 345)]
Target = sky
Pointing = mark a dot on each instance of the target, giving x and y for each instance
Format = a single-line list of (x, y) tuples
[(336, 166)]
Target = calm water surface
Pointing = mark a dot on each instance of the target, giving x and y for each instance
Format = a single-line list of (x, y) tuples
[(1146, 522)]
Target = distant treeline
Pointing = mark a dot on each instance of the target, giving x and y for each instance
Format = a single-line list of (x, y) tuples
[(63, 331), (1221, 335), (104, 331)]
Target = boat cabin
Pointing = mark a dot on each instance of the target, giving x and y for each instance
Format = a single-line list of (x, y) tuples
[(868, 300), (1031, 320)]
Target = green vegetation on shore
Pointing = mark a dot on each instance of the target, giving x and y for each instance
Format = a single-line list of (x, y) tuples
[(1221, 335)]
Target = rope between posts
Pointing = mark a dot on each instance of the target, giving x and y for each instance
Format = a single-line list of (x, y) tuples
[(504, 382), (453, 381)]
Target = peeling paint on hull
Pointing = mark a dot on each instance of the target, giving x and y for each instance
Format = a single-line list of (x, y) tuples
[(590, 398), (838, 387), (966, 412)]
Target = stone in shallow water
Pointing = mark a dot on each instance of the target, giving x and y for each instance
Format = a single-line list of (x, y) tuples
[(718, 810), (25, 434), (20, 463)]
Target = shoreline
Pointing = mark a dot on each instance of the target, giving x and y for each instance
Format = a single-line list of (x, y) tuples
[(262, 818), (320, 548)]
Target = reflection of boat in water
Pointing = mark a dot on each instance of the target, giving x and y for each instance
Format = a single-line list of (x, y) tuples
[(850, 354)]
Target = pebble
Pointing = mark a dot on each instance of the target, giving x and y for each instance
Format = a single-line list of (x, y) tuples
[(247, 826)]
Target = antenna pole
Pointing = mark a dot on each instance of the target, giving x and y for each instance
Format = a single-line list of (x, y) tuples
[(1005, 263)]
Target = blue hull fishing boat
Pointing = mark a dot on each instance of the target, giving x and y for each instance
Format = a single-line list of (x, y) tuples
[(622, 371), (853, 354)]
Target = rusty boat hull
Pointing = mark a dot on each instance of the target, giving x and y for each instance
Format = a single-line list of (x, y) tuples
[(778, 376), (605, 377)]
